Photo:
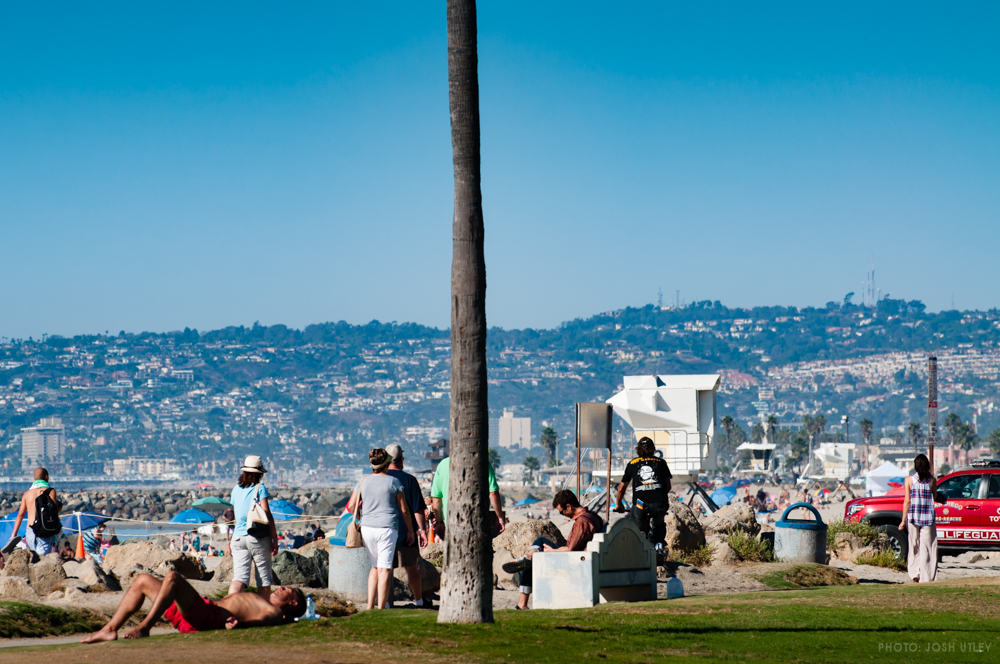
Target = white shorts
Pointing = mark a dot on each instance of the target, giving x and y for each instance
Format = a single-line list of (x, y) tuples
[(246, 548), (380, 543)]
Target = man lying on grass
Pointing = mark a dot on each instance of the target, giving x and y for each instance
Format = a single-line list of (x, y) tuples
[(176, 601)]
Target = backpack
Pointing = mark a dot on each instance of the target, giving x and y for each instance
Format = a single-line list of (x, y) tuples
[(47, 523)]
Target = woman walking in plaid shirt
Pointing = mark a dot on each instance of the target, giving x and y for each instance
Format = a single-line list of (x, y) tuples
[(918, 520)]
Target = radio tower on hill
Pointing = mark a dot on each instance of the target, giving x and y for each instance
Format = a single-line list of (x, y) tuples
[(869, 294)]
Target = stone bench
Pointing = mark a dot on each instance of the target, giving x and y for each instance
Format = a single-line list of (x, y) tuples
[(617, 566)]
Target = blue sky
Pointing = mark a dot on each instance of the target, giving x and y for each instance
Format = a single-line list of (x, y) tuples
[(170, 165)]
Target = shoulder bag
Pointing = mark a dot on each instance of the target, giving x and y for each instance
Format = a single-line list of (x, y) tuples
[(258, 525), (353, 539)]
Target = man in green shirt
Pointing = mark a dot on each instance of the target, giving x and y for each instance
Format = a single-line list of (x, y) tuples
[(439, 496)]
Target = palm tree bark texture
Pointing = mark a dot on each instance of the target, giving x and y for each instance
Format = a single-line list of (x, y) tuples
[(467, 595)]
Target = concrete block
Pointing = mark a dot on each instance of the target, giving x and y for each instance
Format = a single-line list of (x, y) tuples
[(349, 570), (565, 580)]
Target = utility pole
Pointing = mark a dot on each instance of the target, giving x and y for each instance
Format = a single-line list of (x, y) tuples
[(932, 408)]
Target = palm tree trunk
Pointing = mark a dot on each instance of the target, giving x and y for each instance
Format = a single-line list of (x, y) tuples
[(467, 595)]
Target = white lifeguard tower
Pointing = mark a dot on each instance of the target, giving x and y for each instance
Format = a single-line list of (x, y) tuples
[(835, 461), (678, 414), (760, 457)]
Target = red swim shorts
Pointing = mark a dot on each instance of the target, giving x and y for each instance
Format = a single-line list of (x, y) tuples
[(202, 616)]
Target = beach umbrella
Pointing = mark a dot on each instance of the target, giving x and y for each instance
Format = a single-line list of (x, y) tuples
[(723, 496), (204, 485), (284, 510), (75, 522), (211, 504), (193, 516), (527, 501)]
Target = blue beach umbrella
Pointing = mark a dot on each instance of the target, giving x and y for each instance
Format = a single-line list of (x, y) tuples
[(527, 501), (87, 521), (193, 516), (723, 496), (284, 510)]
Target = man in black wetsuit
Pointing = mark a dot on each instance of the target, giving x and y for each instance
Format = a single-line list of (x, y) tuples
[(650, 479)]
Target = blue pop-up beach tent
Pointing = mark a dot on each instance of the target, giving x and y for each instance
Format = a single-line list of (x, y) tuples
[(723, 495), (193, 516), (284, 510), (87, 521)]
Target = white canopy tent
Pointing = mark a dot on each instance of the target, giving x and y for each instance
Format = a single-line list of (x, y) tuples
[(877, 480)]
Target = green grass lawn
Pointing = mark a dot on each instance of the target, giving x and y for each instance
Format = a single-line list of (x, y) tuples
[(24, 620), (837, 624)]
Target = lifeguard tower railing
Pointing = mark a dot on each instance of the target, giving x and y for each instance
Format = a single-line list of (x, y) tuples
[(687, 454)]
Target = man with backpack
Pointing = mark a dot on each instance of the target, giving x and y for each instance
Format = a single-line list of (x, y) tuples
[(42, 508)]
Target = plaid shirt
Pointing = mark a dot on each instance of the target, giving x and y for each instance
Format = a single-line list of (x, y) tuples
[(921, 503)]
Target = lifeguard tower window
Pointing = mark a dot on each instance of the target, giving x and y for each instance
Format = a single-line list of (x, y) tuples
[(760, 456)]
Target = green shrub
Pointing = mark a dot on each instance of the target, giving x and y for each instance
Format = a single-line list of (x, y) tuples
[(863, 529), (750, 548), (700, 557), (885, 558)]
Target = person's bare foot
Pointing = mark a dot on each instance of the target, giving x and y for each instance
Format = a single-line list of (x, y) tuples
[(104, 634), (138, 633)]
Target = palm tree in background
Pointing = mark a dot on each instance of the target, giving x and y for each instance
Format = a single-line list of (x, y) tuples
[(550, 441), (916, 434), (468, 562), (953, 424), (994, 441), (866, 435), (727, 425), (769, 426)]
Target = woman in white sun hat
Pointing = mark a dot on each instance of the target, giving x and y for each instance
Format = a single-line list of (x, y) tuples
[(251, 541)]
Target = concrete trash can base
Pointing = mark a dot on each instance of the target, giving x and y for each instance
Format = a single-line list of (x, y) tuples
[(349, 570), (800, 540)]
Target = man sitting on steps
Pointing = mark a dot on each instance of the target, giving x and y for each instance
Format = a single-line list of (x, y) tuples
[(176, 601), (585, 525)]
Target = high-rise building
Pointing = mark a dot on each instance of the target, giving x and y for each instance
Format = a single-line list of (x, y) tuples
[(510, 432), (43, 443)]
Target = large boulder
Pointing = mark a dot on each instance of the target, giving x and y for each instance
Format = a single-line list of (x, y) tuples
[(731, 518), (224, 570), (517, 537), (16, 588), (121, 559), (434, 553), (501, 579), (290, 568), (46, 574), (91, 575), (19, 563), (430, 580), (684, 532), (846, 546), (322, 543), (723, 554)]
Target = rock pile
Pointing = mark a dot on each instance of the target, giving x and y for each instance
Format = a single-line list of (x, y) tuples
[(162, 504), (684, 531), (732, 517), (311, 568)]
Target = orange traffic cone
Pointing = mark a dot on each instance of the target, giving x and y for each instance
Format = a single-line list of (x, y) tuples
[(80, 551)]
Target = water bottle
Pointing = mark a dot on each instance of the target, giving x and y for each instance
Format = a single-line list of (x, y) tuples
[(310, 608), (674, 588)]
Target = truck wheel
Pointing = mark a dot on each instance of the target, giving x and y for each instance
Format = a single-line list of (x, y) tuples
[(897, 540)]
